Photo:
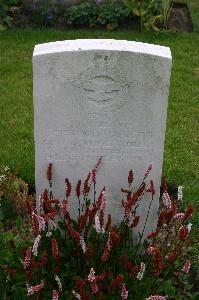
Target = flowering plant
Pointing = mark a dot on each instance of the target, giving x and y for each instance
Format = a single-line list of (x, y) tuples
[(5, 15), (43, 12), (13, 195), (90, 258)]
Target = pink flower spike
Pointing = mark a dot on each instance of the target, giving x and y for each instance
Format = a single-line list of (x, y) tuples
[(76, 295), (82, 244), (34, 288), (55, 295), (180, 193), (64, 207), (91, 276), (26, 262), (40, 220), (179, 216), (95, 169), (189, 226), (166, 200), (128, 213), (109, 244), (42, 223), (57, 279), (99, 162), (92, 280), (36, 245), (103, 201), (142, 271), (97, 225), (124, 293), (147, 172), (152, 188), (93, 175), (130, 177), (186, 267), (151, 250)]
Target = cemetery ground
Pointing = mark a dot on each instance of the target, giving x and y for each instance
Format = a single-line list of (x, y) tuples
[(16, 130), (181, 144)]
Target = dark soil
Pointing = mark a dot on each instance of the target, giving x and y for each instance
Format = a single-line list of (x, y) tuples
[(180, 18)]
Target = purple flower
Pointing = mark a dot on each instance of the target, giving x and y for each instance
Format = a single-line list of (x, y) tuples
[(50, 18)]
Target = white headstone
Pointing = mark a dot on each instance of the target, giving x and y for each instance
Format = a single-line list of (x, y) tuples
[(104, 98)]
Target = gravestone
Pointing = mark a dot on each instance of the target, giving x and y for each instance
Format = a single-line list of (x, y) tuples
[(104, 98)]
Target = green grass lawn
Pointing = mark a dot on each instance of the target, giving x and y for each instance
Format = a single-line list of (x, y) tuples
[(194, 7), (182, 135)]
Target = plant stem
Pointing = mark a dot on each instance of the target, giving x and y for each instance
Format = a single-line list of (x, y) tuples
[(145, 222)]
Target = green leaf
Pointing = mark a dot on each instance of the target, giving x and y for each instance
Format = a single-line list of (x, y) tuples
[(136, 12), (88, 203), (2, 27), (18, 222), (169, 288), (62, 225), (1, 215), (15, 183), (1, 224), (9, 235), (19, 293)]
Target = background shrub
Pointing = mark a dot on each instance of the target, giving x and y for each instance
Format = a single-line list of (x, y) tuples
[(91, 13), (112, 12), (15, 235), (84, 13), (5, 13), (43, 12)]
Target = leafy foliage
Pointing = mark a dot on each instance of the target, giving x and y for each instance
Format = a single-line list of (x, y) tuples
[(146, 10), (161, 18), (13, 241), (89, 258), (111, 12), (14, 195), (84, 13), (146, 14), (90, 13), (43, 12), (5, 16), (15, 234), (151, 13)]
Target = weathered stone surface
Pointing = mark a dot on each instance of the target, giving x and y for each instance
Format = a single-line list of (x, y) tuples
[(101, 98)]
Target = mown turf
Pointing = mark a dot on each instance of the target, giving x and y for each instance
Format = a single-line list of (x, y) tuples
[(194, 8), (182, 136), (16, 130)]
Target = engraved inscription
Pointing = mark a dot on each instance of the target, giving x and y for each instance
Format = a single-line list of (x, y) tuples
[(110, 156), (75, 146), (103, 88)]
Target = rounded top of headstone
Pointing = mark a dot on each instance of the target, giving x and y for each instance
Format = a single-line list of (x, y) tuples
[(101, 44)]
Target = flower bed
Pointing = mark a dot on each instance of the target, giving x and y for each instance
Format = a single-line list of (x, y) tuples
[(90, 258), (109, 14)]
